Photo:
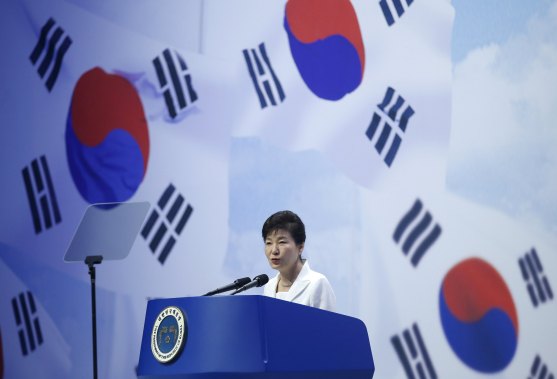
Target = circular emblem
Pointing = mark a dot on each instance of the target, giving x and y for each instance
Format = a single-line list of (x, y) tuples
[(479, 316), (107, 138), (326, 45), (169, 334)]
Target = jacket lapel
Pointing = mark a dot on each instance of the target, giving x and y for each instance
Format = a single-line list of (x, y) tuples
[(300, 284)]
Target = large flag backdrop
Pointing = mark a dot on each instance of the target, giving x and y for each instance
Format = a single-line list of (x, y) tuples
[(447, 288), (338, 77), (158, 142), (107, 115)]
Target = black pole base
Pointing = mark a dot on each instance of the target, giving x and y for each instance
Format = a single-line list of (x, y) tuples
[(91, 261)]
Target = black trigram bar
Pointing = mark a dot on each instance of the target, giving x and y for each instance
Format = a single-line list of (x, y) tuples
[(537, 284), (416, 229), (40, 194), (27, 322), (386, 128), (166, 222), (413, 355), (266, 83), (392, 105), (387, 7), (51, 46), (175, 82), (539, 370)]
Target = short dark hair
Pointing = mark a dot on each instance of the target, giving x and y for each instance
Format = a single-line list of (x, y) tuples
[(285, 220)]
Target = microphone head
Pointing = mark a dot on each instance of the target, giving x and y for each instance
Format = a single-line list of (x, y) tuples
[(242, 282), (261, 280)]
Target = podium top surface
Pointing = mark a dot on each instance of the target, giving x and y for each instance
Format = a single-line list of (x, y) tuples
[(107, 229), (257, 337)]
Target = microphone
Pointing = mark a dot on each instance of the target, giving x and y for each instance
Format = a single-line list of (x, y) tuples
[(232, 286), (258, 281)]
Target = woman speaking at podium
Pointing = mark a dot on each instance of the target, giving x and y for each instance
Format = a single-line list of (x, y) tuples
[(284, 236)]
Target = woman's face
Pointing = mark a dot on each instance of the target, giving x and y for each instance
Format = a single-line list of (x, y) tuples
[(281, 250)]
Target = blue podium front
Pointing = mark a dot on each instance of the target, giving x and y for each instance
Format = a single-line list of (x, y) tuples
[(251, 337)]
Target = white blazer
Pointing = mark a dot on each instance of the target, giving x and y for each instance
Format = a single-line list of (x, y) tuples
[(310, 288)]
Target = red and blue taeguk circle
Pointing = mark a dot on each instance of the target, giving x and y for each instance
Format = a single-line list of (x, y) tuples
[(107, 140), (479, 316), (326, 45)]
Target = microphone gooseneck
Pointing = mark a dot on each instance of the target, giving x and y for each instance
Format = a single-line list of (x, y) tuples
[(258, 281), (229, 287)]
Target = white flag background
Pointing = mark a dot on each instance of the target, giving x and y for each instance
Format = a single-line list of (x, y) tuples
[(220, 113)]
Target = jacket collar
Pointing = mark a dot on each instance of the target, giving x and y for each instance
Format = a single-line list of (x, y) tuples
[(300, 284)]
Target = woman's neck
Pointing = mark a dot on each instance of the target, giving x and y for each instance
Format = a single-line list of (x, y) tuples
[(288, 277)]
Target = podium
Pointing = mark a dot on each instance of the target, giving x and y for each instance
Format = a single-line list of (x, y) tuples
[(251, 337)]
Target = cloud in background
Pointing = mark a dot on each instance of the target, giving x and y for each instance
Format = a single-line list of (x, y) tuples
[(504, 124)]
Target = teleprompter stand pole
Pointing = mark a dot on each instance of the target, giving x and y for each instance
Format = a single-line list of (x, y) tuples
[(91, 261), (108, 229)]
